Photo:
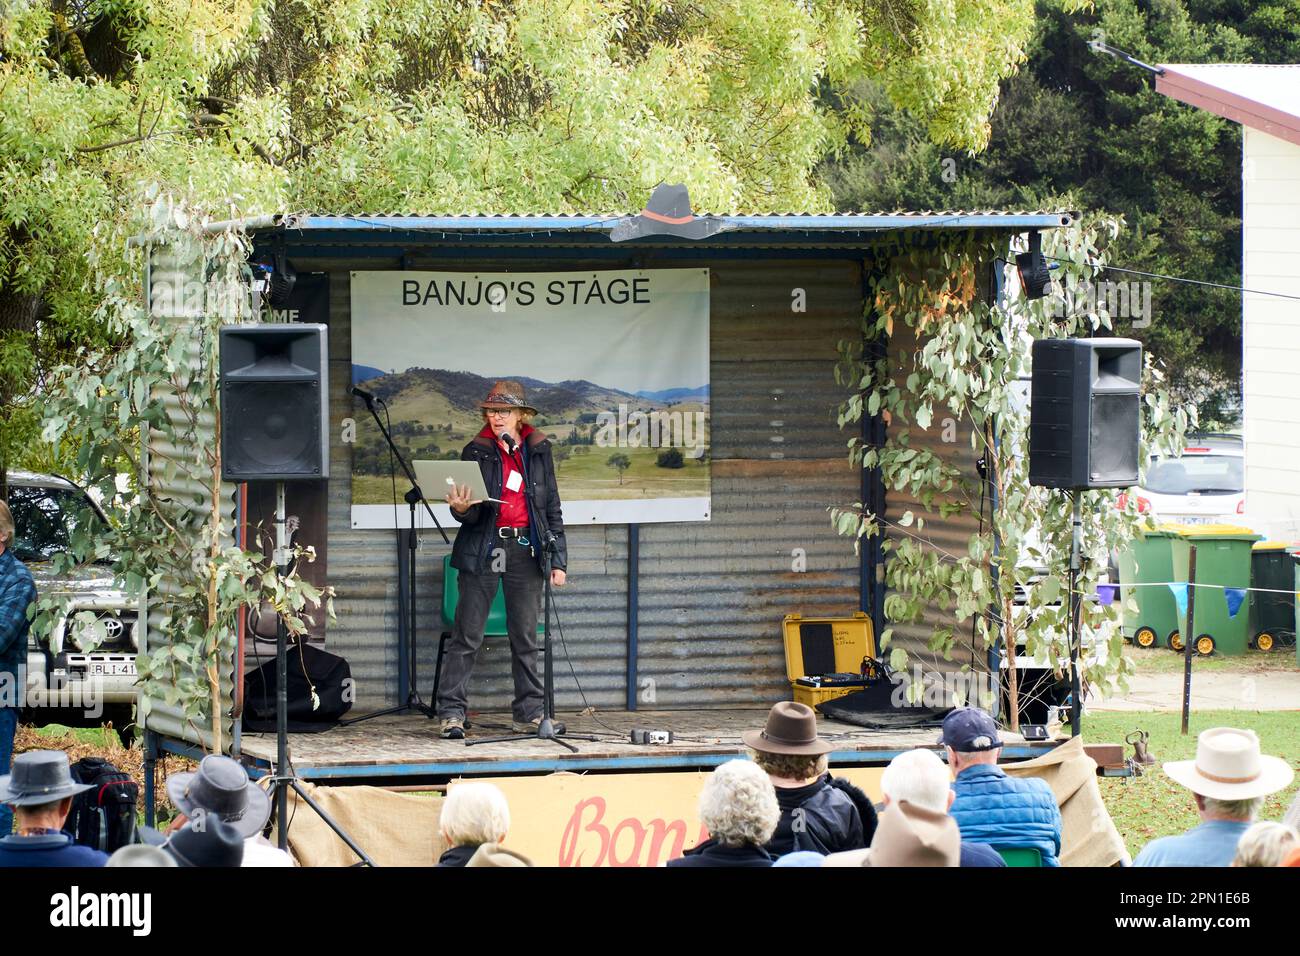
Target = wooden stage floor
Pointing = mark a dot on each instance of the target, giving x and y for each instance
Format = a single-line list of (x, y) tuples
[(405, 748)]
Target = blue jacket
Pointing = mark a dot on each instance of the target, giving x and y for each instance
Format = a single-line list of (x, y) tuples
[(17, 591), (46, 850), (1007, 811)]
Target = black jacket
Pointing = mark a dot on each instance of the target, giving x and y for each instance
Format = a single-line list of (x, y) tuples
[(457, 856), (821, 817), (713, 853), (472, 551)]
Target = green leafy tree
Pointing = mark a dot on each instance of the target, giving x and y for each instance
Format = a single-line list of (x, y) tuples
[(241, 107), (619, 463), (1078, 130)]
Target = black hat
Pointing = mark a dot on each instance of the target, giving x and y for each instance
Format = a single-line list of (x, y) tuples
[(206, 842), (970, 730), (668, 213), (221, 787), (39, 777)]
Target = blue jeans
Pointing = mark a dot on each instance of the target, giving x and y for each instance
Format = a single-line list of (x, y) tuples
[(8, 725)]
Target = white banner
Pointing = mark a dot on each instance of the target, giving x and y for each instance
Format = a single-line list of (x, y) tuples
[(616, 363)]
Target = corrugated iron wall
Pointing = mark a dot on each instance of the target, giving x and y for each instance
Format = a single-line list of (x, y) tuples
[(948, 536), (169, 272), (712, 594)]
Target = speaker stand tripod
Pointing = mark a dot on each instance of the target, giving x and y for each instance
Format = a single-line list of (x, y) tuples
[(413, 496), (548, 729), (1076, 566), (284, 779)]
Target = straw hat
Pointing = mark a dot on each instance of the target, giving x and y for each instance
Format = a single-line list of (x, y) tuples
[(908, 835), (1229, 766)]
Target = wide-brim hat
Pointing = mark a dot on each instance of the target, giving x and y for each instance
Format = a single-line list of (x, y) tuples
[(39, 777), (214, 843), (508, 395), (1229, 766), (791, 729), (221, 786)]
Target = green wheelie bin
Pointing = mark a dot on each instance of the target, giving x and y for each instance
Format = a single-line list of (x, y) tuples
[(1272, 609), (1222, 560), (1295, 556), (1149, 560)]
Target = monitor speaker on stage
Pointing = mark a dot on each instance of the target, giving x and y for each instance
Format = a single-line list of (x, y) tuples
[(274, 402), (1085, 406)]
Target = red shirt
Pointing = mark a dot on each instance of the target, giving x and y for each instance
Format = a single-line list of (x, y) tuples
[(514, 512)]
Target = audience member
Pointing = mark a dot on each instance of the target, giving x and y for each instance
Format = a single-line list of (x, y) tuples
[(990, 806), (494, 854), (139, 854), (818, 813), (473, 816), (738, 807), (920, 778), (1229, 780), (221, 787), (40, 790), (1265, 844), (206, 842), (17, 592), (908, 835)]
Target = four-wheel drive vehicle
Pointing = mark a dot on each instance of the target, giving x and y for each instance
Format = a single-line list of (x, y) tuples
[(67, 683)]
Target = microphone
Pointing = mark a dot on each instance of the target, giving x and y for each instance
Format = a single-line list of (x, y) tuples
[(508, 440), (367, 397)]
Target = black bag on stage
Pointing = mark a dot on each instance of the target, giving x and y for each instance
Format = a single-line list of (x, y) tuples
[(103, 817), (319, 687)]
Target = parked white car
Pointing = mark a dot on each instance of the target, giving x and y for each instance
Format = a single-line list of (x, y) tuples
[(1204, 485), (81, 672)]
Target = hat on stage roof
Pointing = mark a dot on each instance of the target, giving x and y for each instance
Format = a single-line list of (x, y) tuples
[(668, 213), (508, 395)]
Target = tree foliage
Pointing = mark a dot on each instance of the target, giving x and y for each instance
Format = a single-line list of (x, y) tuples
[(1079, 130), (240, 107), (968, 357)]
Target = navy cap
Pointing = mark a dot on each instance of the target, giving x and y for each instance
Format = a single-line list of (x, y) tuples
[(969, 729)]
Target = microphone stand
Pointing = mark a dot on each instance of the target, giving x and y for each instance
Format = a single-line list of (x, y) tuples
[(413, 701)]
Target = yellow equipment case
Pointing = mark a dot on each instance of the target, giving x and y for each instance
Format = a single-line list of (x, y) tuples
[(816, 647)]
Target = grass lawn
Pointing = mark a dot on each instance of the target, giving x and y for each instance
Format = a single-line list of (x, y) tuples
[(1152, 805), (1161, 660)]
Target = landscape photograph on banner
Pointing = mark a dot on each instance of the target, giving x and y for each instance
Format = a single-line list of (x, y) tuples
[(615, 362)]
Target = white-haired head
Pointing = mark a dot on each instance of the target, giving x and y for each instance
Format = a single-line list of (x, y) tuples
[(920, 778), (474, 814), (1265, 844), (738, 804)]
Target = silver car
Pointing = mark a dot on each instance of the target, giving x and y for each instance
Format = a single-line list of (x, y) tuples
[(81, 671)]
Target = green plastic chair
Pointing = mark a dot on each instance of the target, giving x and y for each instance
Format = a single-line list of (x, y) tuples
[(1020, 855), (496, 621)]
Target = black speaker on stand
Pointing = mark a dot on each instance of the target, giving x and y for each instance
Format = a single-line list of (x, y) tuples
[(1085, 406), (274, 427)]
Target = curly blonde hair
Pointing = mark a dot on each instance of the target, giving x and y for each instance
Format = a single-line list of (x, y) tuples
[(738, 804)]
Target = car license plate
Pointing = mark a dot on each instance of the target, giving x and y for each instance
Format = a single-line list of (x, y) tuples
[(111, 669), (1197, 519)]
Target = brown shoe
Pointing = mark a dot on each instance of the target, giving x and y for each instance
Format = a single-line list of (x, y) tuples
[(534, 725), (452, 728)]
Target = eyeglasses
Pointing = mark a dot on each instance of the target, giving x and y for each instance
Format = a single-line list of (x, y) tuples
[(500, 412)]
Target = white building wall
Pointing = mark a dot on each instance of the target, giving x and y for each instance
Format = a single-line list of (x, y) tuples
[(1271, 333)]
